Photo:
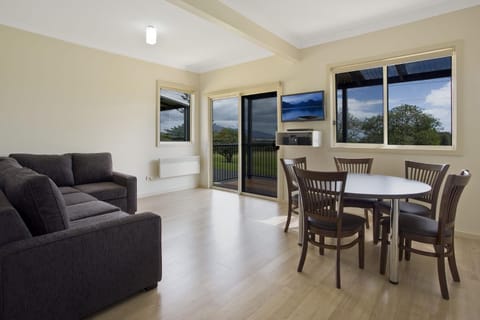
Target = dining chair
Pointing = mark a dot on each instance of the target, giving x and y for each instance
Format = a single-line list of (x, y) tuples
[(439, 233), (425, 205), (364, 166), (292, 187), (322, 201)]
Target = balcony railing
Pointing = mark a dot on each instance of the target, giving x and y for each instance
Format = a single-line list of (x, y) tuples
[(260, 161)]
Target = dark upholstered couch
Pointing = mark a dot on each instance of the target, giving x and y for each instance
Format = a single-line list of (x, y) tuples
[(67, 247), (88, 173)]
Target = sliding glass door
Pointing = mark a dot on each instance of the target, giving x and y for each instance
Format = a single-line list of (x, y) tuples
[(259, 157), (225, 147), (243, 143)]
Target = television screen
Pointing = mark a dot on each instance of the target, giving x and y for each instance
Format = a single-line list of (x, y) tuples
[(306, 106)]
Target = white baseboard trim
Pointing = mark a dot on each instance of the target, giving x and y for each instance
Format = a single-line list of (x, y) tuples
[(153, 194), (467, 235)]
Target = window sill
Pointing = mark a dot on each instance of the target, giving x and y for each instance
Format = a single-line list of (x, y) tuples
[(427, 150)]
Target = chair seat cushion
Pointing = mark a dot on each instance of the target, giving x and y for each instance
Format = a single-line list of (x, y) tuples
[(408, 207), (418, 225), (414, 208), (359, 202), (89, 209), (349, 222), (103, 190), (77, 197)]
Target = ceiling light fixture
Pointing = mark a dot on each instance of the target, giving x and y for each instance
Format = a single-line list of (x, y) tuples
[(151, 35)]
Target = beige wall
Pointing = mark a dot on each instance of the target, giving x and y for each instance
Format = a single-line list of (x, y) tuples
[(58, 97), (311, 73)]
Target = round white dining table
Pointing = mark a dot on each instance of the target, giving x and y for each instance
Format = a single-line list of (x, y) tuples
[(387, 188)]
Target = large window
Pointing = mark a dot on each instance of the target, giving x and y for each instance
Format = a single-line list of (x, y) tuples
[(173, 116), (402, 102)]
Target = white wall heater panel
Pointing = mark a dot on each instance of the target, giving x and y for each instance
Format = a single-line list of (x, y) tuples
[(178, 166)]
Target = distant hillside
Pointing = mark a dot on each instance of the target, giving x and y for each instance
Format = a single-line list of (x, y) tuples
[(257, 135)]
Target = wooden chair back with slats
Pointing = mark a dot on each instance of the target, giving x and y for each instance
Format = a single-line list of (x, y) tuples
[(322, 194), (431, 174), (440, 235), (292, 188), (361, 165), (452, 191), (322, 201)]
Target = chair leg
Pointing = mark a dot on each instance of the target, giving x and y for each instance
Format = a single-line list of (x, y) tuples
[(365, 211), (376, 225), (338, 262), (289, 214), (304, 251), (441, 271), (321, 249), (453, 265), (401, 246), (361, 248), (383, 251), (408, 246)]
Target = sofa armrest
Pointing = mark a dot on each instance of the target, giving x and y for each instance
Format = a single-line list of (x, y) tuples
[(130, 182), (75, 272)]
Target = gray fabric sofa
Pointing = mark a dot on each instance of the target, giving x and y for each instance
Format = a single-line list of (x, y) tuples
[(89, 173), (67, 250)]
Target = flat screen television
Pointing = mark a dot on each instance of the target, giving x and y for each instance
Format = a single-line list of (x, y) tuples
[(307, 106)]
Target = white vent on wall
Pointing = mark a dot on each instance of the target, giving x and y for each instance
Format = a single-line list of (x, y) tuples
[(178, 166)]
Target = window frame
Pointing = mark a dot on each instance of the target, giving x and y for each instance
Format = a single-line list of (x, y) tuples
[(179, 88), (448, 51)]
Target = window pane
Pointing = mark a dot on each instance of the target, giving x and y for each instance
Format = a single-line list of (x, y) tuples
[(420, 103), (174, 115), (360, 106)]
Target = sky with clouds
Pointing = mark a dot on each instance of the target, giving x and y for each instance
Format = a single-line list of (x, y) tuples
[(172, 118), (264, 113), (432, 96), (225, 112)]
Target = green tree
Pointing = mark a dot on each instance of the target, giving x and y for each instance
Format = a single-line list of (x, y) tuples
[(372, 129), (354, 129), (409, 125), (225, 143), (176, 133)]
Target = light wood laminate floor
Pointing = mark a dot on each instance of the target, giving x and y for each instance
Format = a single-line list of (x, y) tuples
[(226, 256)]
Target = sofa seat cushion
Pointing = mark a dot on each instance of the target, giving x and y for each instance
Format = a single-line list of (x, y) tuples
[(37, 200), (104, 190), (56, 167), (89, 209), (94, 220), (77, 197), (67, 190), (92, 167)]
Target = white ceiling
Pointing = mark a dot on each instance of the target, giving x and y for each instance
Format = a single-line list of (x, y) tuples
[(190, 42)]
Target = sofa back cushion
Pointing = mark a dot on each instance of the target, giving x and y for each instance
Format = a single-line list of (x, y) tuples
[(37, 199), (12, 227), (92, 167), (7, 164), (56, 167)]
